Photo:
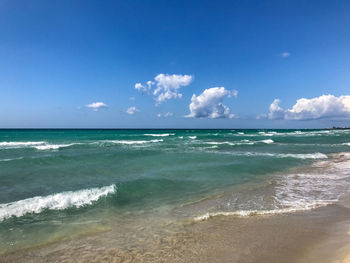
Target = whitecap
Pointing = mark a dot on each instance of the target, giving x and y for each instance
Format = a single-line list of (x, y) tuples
[(291, 155), (20, 144), (159, 135), (316, 155), (57, 201), (268, 141), (10, 159), (53, 146), (131, 142)]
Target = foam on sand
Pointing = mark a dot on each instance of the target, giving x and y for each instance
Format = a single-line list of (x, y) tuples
[(58, 201), (247, 213), (302, 191)]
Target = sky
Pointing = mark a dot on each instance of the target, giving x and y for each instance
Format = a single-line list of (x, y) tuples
[(174, 64)]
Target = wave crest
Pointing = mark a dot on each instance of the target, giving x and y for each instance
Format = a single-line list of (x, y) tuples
[(159, 134), (131, 142), (58, 201)]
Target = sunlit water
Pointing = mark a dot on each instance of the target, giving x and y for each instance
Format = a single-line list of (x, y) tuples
[(58, 184)]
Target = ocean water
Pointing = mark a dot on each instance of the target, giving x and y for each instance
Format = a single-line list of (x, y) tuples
[(61, 184)]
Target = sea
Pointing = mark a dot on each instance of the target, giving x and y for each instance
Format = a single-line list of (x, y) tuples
[(56, 185)]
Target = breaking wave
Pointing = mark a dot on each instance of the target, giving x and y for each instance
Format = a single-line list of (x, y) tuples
[(302, 191), (58, 201), (159, 135), (131, 142), (20, 144)]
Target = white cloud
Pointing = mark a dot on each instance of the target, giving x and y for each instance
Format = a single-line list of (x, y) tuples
[(276, 112), (325, 106), (285, 55), (132, 110), (140, 87), (209, 104), (165, 86), (234, 93), (168, 114), (96, 106)]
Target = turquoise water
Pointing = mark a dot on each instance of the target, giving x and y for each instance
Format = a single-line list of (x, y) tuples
[(54, 183)]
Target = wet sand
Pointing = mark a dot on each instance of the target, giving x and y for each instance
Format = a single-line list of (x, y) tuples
[(320, 235)]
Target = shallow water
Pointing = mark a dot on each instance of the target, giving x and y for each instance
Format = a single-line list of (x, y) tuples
[(59, 184)]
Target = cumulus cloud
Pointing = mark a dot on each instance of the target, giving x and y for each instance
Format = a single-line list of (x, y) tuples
[(96, 106), (168, 114), (132, 110), (165, 86), (325, 106), (276, 112), (285, 55), (140, 87), (209, 104)]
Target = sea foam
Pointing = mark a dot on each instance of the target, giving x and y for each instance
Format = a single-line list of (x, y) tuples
[(20, 144), (159, 135), (247, 213), (10, 159), (57, 201), (40, 145), (302, 191), (53, 146), (131, 142)]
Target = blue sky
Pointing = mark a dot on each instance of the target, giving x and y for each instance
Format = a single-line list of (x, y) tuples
[(57, 57)]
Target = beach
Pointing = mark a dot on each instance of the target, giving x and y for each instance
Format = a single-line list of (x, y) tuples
[(317, 236), (174, 196)]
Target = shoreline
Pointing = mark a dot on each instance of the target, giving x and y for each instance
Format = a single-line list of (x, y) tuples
[(319, 235)]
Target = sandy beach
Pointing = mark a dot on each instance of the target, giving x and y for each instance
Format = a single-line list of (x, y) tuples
[(320, 235)]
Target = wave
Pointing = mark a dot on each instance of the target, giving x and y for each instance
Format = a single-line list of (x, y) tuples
[(295, 192), (192, 137), (243, 142), (10, 159), (290, 155), (40, 145), (20, 144), (53, 146), (131, 142), (159, 135), (346, 143), (305, 133), (58, 201), (268, 133), (316, 155), (268, 141), (247, 213)]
